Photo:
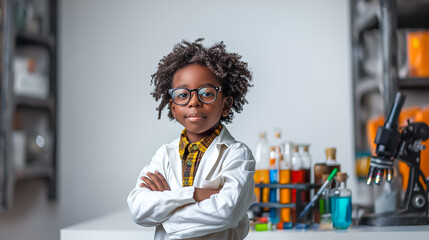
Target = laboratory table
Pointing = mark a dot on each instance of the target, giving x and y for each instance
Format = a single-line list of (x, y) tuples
[(119, 225)]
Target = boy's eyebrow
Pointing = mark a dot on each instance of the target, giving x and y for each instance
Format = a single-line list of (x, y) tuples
[(182, 86)]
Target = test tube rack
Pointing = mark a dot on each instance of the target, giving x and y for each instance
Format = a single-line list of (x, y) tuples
[(298, 205)]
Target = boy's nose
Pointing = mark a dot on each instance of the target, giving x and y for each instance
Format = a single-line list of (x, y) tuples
[(194, 101)]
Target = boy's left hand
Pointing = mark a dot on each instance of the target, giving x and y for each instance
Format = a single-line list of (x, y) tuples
[(155, 182)]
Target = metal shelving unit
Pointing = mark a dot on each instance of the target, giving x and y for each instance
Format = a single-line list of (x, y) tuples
[(34, 117), (374, 93)]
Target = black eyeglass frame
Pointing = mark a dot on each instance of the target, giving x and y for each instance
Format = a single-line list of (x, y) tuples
[(217, 89)]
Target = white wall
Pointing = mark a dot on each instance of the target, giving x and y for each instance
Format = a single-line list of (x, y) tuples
[(298, 51)]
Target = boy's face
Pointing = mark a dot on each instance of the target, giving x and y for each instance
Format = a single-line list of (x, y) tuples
[(199, 119)]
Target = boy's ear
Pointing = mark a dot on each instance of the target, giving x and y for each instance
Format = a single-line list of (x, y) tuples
[(172, 107), (227, 105)]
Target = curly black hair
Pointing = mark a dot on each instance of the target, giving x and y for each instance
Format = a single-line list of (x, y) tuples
[(228, 67)]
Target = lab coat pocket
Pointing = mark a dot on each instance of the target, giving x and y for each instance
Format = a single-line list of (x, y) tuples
[(213, 184)]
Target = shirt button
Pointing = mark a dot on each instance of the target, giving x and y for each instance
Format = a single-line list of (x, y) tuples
[(189, 163)]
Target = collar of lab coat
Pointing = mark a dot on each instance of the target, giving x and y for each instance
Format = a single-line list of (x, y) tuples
[(210, 157)]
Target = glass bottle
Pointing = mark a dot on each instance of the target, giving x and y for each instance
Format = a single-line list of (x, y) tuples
[(297, 170), (288, 152), (341, 203), (274, 178), (325, 206), (325, 167), (306, 166), (284, 178), (262, 158), (277, 141), (331, 162), (297, 174)]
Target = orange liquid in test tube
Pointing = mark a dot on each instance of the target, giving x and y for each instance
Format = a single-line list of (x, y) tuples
[(285, 195), (257, 179), (262, 176)]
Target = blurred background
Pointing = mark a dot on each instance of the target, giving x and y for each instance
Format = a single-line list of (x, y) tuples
[(100, 121)]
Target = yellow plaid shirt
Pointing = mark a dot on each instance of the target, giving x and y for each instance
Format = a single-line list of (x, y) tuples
[(192, 153)]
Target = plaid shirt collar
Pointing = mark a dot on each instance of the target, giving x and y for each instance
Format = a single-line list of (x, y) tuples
[(202, 145)]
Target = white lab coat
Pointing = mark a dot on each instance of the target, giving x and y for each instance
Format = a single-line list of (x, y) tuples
[(175, 213)]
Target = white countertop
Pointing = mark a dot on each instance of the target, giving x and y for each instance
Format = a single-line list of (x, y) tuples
[(119, 225)]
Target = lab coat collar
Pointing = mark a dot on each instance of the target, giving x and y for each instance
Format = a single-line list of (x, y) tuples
[(224, 138), (210, 157)]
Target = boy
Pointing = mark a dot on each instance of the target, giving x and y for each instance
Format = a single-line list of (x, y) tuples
[(201, 185)]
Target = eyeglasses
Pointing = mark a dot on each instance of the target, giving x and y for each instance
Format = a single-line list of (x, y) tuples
[(181, 96)]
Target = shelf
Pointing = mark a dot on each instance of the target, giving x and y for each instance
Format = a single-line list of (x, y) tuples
[(411, 14), (414, 83), (33, 172), (25, 38), (274, 205), (368, 85), (22, 111), (33, 102), (303, 186)]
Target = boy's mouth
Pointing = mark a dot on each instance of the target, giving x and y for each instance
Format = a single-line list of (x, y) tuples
[(195, 116)]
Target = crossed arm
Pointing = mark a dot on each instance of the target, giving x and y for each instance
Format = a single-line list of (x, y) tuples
[(186, 212), (156, 182)]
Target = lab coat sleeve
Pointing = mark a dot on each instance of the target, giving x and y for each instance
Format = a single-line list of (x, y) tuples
[(224, 210), (150, 208)]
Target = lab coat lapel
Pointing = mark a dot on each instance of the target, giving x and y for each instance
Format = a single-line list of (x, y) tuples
[(211, 156), (176, 164)]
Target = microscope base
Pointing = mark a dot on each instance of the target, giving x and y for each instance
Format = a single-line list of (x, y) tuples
[(397, 218)]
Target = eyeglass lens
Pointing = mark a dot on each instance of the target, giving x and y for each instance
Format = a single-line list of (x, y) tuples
[(205, 94)]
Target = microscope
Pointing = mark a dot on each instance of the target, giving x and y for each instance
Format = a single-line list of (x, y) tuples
[(403, 144)]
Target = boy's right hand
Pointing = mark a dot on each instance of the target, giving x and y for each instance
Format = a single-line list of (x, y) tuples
[(155, 182)]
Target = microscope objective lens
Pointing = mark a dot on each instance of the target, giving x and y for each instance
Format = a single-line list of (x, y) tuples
[(389, 175), (378, 177)]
